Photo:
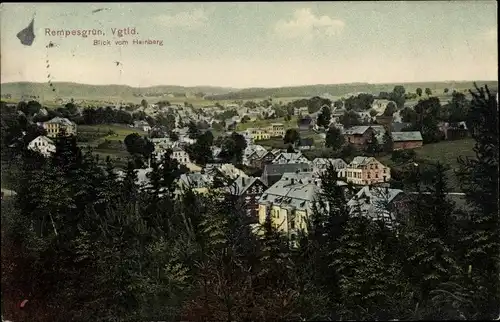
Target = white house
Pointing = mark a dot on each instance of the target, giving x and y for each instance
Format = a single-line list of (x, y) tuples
[(42, 144), (321, 164), (180, 155), (289, 158)]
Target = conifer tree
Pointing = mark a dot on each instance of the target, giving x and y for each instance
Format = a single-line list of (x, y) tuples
[(479, 180)]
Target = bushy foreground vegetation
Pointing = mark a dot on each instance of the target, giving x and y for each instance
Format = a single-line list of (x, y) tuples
[(80, 244)]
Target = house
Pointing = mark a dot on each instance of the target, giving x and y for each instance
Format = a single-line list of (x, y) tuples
[(257, 134), (376, 203), (361, 135), (43, 145), (162, 144), (365, 116), (226, 169), (367, 171), (306, 144), (249, 190), (273, 172), (198, 182), (289, 203), (256, 159), (250, 150), (178, 154), (298, 111), (305, 123), (276, 130), (337, 113), (260, 159), (143, 125), (453, 131), (58, 124), (321, 164), (406, 140), (288, 158)]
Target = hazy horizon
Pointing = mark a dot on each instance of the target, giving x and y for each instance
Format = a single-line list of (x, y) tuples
[(255, 45), (257, 87)]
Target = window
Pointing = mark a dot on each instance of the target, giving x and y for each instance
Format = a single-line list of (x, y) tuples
[(376, 175), (292, 224), (369, 176)]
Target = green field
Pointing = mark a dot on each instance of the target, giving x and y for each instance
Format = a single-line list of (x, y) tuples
[(107, 140), (265, 123), (446, 152)]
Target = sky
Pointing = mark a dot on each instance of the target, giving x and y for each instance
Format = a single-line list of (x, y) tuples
[(254, 44)]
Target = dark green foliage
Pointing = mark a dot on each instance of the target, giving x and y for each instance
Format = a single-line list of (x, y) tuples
[(324, 116), (233, 147), (350, 118), (334, 138), (479, 179), (362, 102), (373, 147), (138, 146), (390, 109), (292, 136), (403, 156), (193, 131), (201, 152), (82, 243), (387, 144), (398, 96)]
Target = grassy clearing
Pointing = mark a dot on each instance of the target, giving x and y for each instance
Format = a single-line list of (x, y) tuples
[(107, 140), (446, 152), (119, 131), (265, 123)]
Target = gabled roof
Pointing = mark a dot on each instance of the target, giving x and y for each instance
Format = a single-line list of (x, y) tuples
[(279, 169), (241, 184), (60, 120), (361, 161), (290, 157), (196, 180), (361, 129), (406, 136), (43, 138), (297, 190), (337, 163), (373, 201)]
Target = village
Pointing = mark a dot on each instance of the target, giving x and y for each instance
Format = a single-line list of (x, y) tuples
[(282, 183)]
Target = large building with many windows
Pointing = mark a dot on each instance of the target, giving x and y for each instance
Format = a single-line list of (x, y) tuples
[(58, 124), (367, 171)]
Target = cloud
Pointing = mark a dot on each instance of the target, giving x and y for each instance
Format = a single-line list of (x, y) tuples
[(306, 24), (186, 19)]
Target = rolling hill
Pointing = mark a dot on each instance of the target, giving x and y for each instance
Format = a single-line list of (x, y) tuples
[(98, 92), (343, 89), (87, 92)]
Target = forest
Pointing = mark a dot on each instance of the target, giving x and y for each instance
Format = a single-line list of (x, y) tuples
[(82, 243)]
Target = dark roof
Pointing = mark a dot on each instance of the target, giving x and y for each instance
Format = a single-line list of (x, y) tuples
[(279, 169), (406, 136)]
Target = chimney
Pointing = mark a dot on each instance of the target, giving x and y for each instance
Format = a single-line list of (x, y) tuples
[(293, 180), (243, 181)]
